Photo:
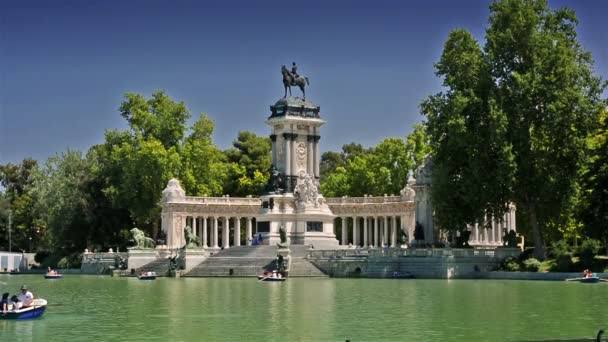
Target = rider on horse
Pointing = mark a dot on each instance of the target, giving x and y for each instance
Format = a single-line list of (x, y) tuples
[(294, 72)]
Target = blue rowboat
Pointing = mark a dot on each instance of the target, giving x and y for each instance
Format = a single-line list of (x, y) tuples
[(35, 310), (53, 276), (590, 280)]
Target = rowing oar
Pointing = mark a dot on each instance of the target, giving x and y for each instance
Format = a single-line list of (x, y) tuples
[(263, 278), (571, 279), (603, 279)]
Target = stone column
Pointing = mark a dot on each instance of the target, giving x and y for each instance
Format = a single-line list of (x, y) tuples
[(194, 218), (317, 156), (385, 231), (403, 227), (355, 242), (476, 232), (287, 138), (310, 168), (204, 242), (248, 231), (237, 232), (375, 231), (344, 231), (273, 141), (513, 218), (294, 155), (215, 233), (394, 231), (492, 232), (226, 233), (365, 241)]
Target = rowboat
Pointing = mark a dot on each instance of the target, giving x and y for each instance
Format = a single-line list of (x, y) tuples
[(52, 276), (147, 276), (269, 278), (587, 280), (35, 310), (590, 280)]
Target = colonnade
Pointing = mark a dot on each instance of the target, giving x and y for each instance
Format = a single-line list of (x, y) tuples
[(493, 234), (368, 231), (214, 231)]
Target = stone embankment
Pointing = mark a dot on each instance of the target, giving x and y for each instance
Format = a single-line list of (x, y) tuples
[(445, 263)]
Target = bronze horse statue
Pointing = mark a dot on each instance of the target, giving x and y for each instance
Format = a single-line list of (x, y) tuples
[(289, 80)]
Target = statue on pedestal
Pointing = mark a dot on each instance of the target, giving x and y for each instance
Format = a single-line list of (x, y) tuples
[(293, 79), (307, 191), (191, 240), (275, 183), (283, 237), (141, 240)]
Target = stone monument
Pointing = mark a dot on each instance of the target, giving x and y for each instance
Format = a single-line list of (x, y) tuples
[(293, 199)]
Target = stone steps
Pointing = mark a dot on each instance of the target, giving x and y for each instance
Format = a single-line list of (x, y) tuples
[(160, 266), (250, 261), (304, 268)]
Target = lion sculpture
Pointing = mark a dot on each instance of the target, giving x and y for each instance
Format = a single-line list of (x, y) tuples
[(141, 240), (191, 240)]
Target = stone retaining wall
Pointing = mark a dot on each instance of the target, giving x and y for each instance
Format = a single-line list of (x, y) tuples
[(558, 276), (422, 263)]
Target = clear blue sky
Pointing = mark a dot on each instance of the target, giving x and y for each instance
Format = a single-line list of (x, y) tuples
[(65, 65)]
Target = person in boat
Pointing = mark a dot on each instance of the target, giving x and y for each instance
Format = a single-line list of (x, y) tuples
[(4, 303), (17, 303), (26, 297), (587, 274)]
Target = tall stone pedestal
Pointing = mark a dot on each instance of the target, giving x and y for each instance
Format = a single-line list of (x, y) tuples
[(304, 225), (140, 257), (194, 256)]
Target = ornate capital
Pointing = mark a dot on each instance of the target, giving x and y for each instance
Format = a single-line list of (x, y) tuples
[(273, 137), (289, 136)]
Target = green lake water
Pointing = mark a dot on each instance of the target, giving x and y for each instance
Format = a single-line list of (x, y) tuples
[(101, 308)]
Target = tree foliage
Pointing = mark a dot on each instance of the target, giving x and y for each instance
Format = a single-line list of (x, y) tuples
[(513, 122), (594, 205), (380, 170), (249, 164), (15, 180)]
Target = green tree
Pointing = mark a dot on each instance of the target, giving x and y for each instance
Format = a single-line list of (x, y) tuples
[(534, 99), (60, 200), (383, 169), (204, 169), (250, 161), (547, 89), (15, 179), (137, 163), (418, 145), (594, 206), (331, 160), (472, 161)]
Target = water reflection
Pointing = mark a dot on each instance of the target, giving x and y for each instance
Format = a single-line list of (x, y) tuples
[(220, 309)]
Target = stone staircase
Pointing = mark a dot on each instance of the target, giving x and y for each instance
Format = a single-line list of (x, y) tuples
[(160, 266), (250, 261), (303, 268), (242, 261)]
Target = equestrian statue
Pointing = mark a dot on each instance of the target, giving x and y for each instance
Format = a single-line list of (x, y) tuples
[(291, 78)]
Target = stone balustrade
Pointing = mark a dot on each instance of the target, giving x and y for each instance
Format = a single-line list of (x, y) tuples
[(226, 200), (500, 253), (363, 200)]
